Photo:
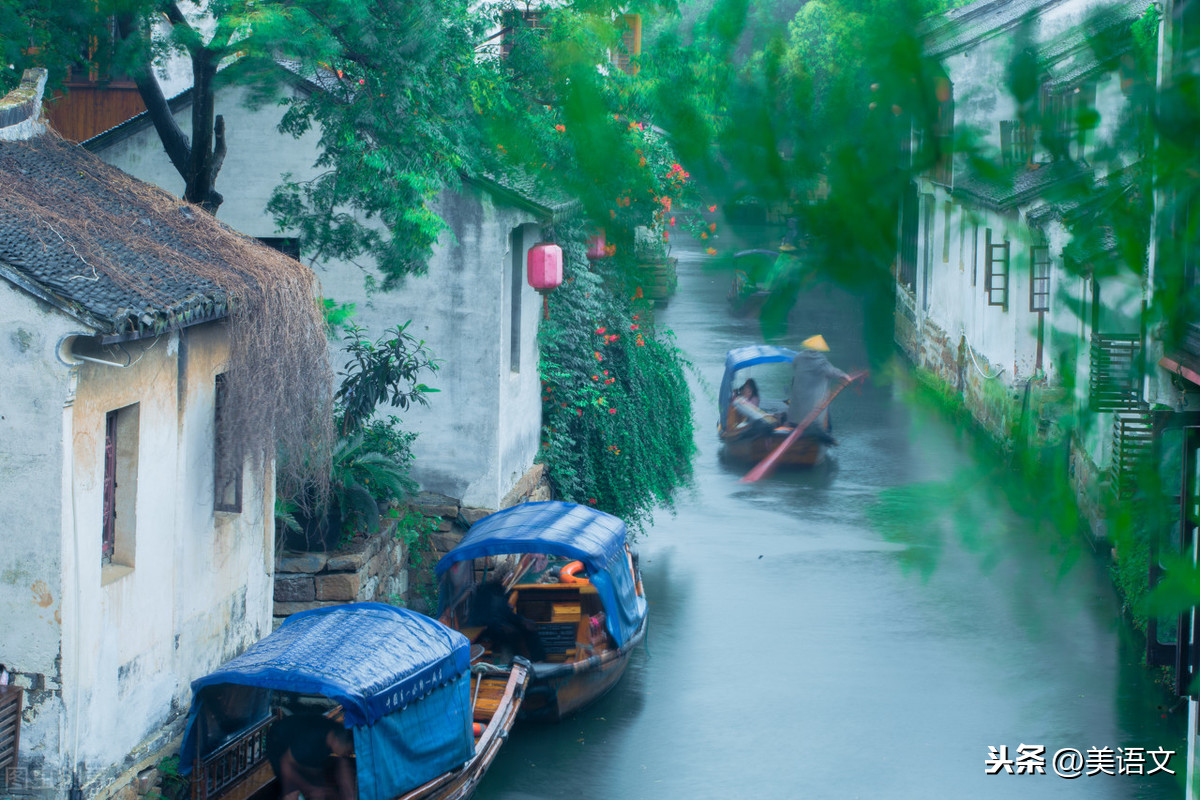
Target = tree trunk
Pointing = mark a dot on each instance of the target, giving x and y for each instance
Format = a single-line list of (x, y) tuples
[(198, 161)]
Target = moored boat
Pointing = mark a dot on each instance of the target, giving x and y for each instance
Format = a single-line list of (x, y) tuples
[(425, 724), (749, 434), (572, 599)]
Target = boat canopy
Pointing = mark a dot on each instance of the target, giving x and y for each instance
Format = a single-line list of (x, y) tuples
[(563, 529), (741, 358), (382, 664)]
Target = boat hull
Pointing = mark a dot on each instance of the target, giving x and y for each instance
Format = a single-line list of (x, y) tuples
[(559, 690), (804, 452)]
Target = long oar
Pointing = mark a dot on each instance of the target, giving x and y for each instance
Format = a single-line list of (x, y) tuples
[(768, 463)]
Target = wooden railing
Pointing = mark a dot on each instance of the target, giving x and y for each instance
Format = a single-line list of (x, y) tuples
[(1115, 383), (234, 763), (10, 726)]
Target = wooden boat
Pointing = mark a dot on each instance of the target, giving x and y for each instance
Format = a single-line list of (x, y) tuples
[(748, 291), (401, 681), (749, 439), (588, 628)]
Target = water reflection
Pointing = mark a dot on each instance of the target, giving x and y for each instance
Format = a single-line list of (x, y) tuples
[(866, 629)]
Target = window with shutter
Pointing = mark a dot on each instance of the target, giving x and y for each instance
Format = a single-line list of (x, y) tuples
[(631, 43), (518, 24), (995, 271), (1039, 278), (120, 486), (1016, 143), (227, 462)]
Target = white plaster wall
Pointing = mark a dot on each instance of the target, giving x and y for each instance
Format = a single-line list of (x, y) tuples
[(34, 389), (198, 591), (1006, 337), (482, 427)]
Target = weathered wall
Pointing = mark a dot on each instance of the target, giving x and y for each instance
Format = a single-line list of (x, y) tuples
[(480, 431), (108, 652), (34, 391)]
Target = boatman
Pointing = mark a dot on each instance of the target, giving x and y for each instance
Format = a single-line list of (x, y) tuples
[(811, 374)]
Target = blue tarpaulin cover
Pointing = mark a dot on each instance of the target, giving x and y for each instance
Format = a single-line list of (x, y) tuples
[(741, 358), (563, 529), (374, 660)]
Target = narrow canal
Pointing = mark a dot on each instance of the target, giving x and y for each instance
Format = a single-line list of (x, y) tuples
[(798, 649)]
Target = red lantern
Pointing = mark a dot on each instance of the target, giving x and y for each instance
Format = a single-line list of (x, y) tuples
[(545, 267), (596, 246), (544, 271)]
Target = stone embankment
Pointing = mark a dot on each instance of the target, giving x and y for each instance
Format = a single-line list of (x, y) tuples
[(380, 568)]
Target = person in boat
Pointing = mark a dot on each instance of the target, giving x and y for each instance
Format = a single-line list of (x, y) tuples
[(811, 376), (745, 416), (509, 632), (309, 754)]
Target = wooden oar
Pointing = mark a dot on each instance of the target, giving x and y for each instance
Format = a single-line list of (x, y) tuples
[(765, 466)]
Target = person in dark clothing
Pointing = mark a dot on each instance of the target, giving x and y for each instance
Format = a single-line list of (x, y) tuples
[(309, 755), (507, 630), (811, 375)]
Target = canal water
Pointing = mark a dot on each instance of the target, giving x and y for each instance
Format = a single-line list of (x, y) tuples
[(807, 642)]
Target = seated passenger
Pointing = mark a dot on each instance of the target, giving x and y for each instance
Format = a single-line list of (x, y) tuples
[(744, 414), (309, 754)]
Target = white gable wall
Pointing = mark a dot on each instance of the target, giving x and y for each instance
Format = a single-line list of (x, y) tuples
[(123, 642)]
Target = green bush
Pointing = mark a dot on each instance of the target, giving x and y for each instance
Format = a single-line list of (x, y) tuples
[(616, 409)]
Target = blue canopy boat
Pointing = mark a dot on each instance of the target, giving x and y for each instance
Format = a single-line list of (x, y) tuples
[(751, 438), (584, 628), (400, 681)]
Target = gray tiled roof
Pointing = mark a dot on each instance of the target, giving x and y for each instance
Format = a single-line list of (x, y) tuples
[(957, 30), (1024, 185), (523, 190), (119, 254)]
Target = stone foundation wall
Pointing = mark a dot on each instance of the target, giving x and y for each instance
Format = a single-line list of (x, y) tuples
[(380, 568), (453, 520), (374, 569)]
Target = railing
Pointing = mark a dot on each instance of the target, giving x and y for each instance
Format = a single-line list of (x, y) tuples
[(1133, 444), (232, 762), (10, 726), (1114, 383)]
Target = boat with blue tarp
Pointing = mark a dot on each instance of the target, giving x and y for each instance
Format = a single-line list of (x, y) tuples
[(750, 431), (425, 722), (554, 582)]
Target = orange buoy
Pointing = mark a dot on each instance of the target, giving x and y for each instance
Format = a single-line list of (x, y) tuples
[(567, 573), (477, 728)]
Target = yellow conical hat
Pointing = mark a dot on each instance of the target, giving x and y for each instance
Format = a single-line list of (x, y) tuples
[(815, 343)]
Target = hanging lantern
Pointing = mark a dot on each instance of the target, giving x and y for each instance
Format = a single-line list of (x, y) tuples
[(597, 247), (545, 267), (544, 271)]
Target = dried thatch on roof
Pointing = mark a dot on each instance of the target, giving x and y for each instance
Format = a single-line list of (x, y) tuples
[(131, 260)]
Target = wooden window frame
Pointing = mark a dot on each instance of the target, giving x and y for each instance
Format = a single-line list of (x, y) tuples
[(1039, 278), (108, 527), (516, 283), (996, 271), (122, 434), (514, 19), (1016, 143)]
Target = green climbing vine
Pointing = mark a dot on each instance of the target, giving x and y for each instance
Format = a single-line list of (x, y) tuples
[(617, 414)]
